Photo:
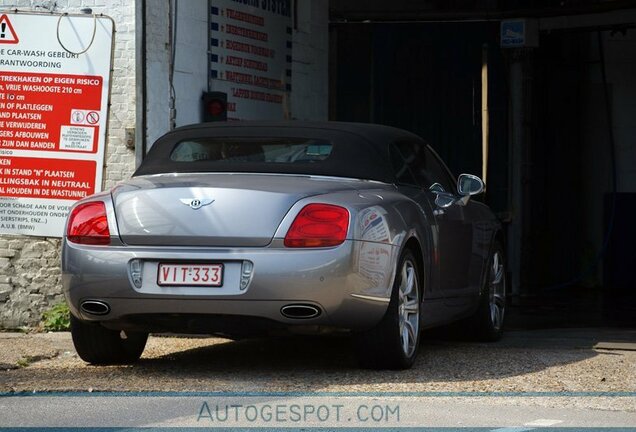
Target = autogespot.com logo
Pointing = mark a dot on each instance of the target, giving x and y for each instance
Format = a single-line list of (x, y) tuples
[(334, 414)]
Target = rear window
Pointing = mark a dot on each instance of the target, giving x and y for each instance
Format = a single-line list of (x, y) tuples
[(252, 150)]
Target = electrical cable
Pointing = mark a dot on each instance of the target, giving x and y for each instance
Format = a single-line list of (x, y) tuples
[(173, 43), (89, 44)]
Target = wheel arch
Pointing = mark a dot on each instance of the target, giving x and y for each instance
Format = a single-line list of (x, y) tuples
[(500, 237)]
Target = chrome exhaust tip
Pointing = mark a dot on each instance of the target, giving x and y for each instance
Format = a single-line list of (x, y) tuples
[(95, 307), (300, 311)]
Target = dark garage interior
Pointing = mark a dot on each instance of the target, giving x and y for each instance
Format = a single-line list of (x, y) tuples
[(560, 118)]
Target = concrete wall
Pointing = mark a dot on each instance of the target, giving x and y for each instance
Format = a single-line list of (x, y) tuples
[(190, 77), (30, 280), (310, 62), (157, 69), (191, 60), (309, 96), (30, 266)]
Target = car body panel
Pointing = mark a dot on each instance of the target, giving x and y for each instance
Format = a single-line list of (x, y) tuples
[(245, 210), (327, 277), (243, 217)]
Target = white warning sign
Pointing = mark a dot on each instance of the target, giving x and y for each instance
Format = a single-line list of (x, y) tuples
[(84, 117), (77, 138)]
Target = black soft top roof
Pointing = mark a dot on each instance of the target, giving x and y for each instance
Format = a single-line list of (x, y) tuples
[(360, 150)]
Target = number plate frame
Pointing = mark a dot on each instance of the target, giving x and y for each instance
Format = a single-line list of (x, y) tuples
[(183, 274)]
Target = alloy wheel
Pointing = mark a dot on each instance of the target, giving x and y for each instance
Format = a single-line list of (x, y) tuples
[(497, 291), (408, 308)]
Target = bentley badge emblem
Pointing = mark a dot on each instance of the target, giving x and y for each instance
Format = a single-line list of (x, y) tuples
[(196, 203)]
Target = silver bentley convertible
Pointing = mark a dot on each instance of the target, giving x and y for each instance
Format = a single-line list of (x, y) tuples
[(245, 229)]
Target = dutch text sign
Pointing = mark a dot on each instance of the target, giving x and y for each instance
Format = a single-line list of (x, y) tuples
[(54, 88), (250, 57)]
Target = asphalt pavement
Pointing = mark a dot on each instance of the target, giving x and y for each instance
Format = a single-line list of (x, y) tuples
[(531, 379), (561, 360)]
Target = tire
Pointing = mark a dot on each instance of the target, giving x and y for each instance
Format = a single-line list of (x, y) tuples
[(390, 345), (488, 321), (101, 346)]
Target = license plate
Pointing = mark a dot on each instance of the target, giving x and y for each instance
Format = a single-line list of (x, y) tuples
[(210, 275)]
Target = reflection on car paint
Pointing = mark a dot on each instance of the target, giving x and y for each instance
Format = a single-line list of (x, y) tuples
[(375, 252)]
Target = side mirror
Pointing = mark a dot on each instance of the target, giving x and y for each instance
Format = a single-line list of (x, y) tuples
[(468, 184), (444, 200)]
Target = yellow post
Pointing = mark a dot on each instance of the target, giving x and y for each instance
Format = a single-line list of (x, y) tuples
[(485, 120)]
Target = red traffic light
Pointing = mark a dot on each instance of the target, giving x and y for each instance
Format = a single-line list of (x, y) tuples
[(214, 106)]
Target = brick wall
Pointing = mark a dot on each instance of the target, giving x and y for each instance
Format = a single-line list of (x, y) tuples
[(30, 280)]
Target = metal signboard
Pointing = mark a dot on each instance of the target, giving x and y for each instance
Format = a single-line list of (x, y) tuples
[(54, 89), (519, 33), (250, 57)]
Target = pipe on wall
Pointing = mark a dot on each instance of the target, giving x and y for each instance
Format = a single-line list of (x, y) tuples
[(141, 95)]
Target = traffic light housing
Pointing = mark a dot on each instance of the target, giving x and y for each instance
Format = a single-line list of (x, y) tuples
[(214, 106)]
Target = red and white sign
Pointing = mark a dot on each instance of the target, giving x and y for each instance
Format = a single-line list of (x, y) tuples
[(7, 34), (53, 111)]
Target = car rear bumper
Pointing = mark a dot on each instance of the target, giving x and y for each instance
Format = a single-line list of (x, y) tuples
[(349, 284)]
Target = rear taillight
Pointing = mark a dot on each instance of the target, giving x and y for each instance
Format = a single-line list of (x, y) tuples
[(88, 224), (318, 225)]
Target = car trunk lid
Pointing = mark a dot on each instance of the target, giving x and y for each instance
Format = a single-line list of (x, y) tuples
[(223, 210)]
